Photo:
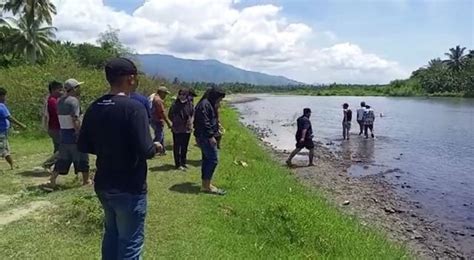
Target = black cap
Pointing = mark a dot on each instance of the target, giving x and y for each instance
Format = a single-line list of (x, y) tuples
[(120, 67)]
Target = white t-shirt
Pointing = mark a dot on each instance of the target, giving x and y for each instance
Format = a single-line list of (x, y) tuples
[(360, 114)]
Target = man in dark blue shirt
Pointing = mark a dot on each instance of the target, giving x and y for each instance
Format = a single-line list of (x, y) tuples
[(304, 137), (143, 100), (116, 129)]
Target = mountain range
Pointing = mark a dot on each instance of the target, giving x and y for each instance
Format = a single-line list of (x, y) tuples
[(187, 70)]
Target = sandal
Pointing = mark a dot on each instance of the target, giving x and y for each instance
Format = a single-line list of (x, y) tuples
[(215, 191)]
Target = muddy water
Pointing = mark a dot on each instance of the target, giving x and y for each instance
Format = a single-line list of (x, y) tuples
[(424, 147)]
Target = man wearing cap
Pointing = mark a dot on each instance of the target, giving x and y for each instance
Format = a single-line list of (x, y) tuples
[(116, 129), (304, 137), (158, 115), (68, 110)]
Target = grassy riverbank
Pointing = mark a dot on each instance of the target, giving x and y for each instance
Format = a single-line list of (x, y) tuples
[(266, 214)]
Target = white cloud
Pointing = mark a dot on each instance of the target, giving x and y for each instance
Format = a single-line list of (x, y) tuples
[(256, 37)]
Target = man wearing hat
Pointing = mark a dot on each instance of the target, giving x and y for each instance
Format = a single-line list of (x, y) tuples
[(116, 129), (158, 115), (68, 110)]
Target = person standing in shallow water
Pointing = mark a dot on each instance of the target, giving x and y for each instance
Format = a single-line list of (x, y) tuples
[(369, 119), (304, 137), (346, 121), (181, 115), (360, 117), (206, 130)]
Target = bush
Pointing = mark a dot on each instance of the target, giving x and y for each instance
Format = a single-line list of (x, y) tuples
[(27, 86)]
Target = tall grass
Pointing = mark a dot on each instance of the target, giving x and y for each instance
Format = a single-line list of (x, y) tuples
[(27, 86)]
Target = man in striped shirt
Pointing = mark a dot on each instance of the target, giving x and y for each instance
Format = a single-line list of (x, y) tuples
[(70, 124)]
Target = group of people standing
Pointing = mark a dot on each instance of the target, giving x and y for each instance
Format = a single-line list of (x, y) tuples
[(116, 128), (365, 119), (304, 133)]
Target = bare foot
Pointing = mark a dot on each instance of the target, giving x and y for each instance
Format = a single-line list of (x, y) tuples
[(86, 182)]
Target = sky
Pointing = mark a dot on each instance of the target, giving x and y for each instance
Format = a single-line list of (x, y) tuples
[(312, 41)]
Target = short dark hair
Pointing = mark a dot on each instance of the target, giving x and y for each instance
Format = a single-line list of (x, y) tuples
[(362, 104), (306, 111), (3, 92), (53, 85), (345, 105)]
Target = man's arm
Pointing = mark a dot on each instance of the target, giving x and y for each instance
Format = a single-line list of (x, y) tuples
[(84, 143), (75, 113), (170, 112), (303, 135), (16, 122), (140, 135)]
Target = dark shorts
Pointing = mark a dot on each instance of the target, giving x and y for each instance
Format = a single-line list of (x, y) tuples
[(308, 144), (69, 154)]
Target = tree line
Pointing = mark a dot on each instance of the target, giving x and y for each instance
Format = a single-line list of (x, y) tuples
[(29, 38)]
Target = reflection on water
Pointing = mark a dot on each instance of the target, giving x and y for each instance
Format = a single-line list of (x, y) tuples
[(424, 144)]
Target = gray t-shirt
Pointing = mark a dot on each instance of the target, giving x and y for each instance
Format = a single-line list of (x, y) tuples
[(68, 109)]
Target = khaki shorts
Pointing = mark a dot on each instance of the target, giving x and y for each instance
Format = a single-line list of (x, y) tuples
[(4, 146)]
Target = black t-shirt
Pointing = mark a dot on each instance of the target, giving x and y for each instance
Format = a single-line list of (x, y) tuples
[(304, 123), (347, 115), (116, 129)]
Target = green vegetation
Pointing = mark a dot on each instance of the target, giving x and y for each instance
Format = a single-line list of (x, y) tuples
[(453, 77), (267, 213)]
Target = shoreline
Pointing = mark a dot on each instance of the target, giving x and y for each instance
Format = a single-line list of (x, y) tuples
[(372, 200)]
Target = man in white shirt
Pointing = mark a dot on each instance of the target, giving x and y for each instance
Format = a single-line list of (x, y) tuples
[(360, 117)]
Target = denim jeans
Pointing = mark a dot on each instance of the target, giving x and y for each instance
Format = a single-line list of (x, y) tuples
[(158, 127), (209, 158), (124, 223)]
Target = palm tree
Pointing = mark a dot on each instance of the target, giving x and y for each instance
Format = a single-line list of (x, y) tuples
[(41, 10), (456, 58), (435, 63), (471, 54), (30, 40)]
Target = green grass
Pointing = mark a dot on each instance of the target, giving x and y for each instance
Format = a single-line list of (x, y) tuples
[(267, 214)]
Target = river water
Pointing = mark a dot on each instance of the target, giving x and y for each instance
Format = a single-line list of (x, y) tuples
[(426, 144)]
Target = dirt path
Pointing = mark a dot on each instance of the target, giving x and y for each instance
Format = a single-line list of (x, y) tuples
[(23, 211)]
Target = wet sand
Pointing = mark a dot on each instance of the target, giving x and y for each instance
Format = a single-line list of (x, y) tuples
[(374, 201)]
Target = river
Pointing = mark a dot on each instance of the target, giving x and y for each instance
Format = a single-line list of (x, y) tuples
[(427, 144)]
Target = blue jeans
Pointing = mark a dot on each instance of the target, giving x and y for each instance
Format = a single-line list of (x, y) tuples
[(209, 158), (159, 133), (124, 223)]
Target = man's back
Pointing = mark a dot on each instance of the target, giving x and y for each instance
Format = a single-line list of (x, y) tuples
[(68, 108), (4, 122), (304, 123), (116, 129), (360, 113), (144, 100)]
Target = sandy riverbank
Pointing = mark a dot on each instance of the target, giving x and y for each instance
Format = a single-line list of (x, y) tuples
[(374, 201)]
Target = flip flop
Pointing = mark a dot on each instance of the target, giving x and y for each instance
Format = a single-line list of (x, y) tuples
[(215, 192)]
